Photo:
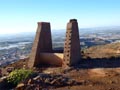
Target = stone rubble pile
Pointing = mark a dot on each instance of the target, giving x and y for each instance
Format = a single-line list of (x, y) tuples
[(46, 80)]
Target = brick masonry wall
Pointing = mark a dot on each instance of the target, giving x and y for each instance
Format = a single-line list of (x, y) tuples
[(42, 43), (72, 55)]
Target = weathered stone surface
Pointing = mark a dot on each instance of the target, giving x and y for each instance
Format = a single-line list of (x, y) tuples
[(72, 54), (42, 43), (20, 86)]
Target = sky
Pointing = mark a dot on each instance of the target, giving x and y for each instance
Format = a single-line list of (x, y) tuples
[(22, 15)]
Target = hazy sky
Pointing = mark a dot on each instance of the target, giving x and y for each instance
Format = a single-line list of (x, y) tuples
[(23, 15)]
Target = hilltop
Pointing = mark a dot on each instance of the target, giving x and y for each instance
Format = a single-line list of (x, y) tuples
[(87, 75), (104, 51)]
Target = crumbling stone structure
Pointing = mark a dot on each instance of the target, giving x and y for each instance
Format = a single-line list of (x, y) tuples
[(42, 43), (42, 46), (72, 54)]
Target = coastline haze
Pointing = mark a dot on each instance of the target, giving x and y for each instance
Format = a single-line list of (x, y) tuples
[(22, 16)]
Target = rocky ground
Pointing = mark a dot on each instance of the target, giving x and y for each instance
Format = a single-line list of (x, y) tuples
[(73, 79), (94, 73)]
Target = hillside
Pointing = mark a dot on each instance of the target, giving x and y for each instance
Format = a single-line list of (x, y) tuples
[(91, 74), (103, 51)]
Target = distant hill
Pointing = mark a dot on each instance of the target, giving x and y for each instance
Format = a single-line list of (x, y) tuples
[(103, 51)]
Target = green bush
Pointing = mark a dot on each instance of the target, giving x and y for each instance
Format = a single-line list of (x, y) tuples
[(17, 76)]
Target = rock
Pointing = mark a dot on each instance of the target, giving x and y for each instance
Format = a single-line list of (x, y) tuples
[(3, 78), (47, 80), (53, 82), (111, 82), (90, 85), (10, 69), (48, 72), (37, 77), (30, 81), (20, 86), (24, 66)]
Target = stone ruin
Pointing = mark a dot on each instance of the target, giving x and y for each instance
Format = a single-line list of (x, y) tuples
[(72, 44), (42, 43), (42, 46)]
